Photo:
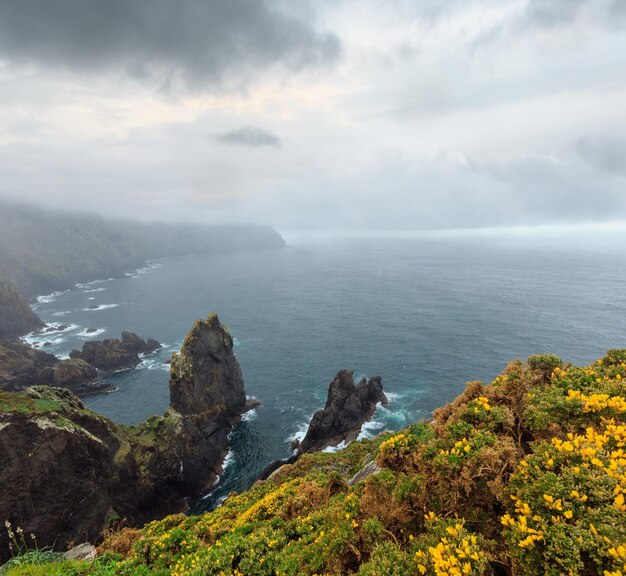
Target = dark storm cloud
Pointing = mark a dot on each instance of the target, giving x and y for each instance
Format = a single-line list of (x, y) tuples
[(249, 136), (196, 42)]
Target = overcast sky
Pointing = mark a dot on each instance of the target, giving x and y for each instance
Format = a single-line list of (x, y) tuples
[(332, 114)]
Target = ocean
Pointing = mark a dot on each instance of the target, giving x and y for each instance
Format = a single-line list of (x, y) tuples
[(427, 314)]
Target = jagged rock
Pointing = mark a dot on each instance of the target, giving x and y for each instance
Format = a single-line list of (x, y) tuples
[(16, 316), (68, 467), (91, 330), (113, 354), (206, 388), (347, 408), (206, 373)]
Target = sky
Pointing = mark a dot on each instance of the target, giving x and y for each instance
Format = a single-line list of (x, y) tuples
[(342, 115)]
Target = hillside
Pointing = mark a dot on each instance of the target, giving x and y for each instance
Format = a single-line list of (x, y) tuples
[(42, 251), (523, 476)]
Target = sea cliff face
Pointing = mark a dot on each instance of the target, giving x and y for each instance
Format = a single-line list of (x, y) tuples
[(67, 472), (16, 317)]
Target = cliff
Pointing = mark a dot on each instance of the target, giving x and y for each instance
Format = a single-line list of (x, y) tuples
[(524, 475), (42, 251), (16, 317), (71, 472)]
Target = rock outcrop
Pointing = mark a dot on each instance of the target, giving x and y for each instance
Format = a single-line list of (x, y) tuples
[(22, 366), (71, 471), (348, 407), (113, 354), (16, 316)]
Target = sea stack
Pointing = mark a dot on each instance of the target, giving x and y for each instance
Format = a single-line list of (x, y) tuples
[(348, 407), (207, 391)]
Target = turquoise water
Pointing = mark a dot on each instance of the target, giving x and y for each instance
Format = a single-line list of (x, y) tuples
[(426, 315)]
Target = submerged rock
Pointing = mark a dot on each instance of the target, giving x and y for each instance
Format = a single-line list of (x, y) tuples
[(113, 354), (348, 407)]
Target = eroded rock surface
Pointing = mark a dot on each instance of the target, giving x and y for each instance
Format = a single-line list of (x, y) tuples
[(348, 407), (71, 470)]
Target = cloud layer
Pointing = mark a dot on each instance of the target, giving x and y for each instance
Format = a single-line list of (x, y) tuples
[(369, 115), (193, 43)]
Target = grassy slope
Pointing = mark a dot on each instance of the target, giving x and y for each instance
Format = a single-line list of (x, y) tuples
[(526, 475)]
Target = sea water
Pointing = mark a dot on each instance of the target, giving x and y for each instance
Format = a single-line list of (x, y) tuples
[(426, 314)]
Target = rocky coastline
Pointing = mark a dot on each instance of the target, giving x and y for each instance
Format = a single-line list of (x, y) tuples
[(73, 472)]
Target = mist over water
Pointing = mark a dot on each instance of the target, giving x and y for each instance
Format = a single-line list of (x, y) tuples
[(425, 314)]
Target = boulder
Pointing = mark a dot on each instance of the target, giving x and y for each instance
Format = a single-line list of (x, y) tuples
[(112, 354)]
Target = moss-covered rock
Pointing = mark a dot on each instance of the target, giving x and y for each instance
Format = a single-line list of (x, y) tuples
[(70, 470)]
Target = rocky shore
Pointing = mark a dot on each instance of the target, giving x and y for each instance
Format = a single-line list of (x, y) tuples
[(73, 472)]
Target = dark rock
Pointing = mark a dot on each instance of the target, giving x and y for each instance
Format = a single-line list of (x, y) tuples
[(22, 366), (74, 373), (69, 468), (16, 316), (113, 354), (90, 330), (206, 373), (271, 468), (347, 408)]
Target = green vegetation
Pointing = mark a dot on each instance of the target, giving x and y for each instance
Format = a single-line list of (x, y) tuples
[(526, 475)]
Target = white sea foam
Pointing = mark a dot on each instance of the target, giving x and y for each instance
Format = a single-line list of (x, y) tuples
[(90, 291), (82, 285), (100, 307), (62, 313), (249, 415), (301, 433), (47, 298), (85, 334), (152, 364), (339, 446), (370, 429), (151, 266), (228, 461)]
